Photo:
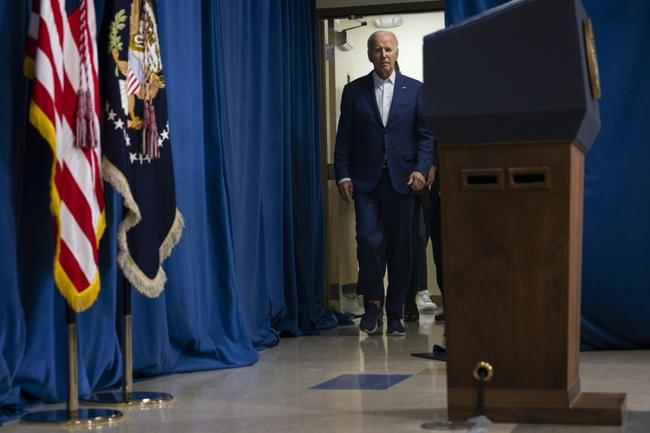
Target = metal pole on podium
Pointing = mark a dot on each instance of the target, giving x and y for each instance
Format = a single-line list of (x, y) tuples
[(73, 415), (126, 396)]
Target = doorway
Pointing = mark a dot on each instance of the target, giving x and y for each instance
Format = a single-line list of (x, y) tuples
[(343, 34)]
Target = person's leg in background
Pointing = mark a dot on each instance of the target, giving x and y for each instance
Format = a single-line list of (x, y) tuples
[(418, 281), (435, 232), (439, 351)]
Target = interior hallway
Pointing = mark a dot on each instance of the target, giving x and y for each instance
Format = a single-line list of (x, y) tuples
[(277, 394)]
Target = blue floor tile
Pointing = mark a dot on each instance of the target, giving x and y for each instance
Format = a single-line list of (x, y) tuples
[(362, 381)]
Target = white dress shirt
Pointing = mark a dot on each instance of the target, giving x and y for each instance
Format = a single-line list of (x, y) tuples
[(384, 94)]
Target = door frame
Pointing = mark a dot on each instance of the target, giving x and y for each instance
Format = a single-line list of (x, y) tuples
[(327, 89)]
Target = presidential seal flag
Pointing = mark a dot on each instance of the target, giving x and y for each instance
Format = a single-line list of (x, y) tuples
[(137, 158), (62, 60)]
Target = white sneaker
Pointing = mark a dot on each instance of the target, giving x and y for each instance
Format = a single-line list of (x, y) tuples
[(424, 302), (350, 304)]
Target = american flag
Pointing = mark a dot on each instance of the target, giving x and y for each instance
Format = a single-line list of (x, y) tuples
[(62, 60)]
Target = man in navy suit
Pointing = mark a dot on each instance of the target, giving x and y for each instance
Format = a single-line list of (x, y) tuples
[(383, 152)]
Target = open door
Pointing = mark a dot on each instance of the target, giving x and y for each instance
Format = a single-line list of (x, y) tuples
[(343, 37)]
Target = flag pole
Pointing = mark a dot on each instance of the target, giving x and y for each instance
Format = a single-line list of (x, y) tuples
[(127, 341), (73, 371), (126, 396), (73, 415)]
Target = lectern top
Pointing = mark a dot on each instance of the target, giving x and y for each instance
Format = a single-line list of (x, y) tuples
[(517, 72)]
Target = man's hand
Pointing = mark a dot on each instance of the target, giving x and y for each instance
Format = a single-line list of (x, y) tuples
[(416, 181), (431, 176), (346, 191)]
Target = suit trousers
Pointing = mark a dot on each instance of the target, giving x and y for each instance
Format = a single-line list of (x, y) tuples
[(384, 221), (429, 202)]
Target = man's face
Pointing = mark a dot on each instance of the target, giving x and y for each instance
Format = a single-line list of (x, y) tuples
[(383, 54)]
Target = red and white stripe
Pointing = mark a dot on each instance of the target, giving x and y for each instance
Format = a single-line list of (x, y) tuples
[(132, 83), (63, 46)]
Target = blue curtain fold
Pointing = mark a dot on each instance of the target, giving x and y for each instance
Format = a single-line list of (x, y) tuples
[(13, 111), (273, 166), (616, 247), (243, 109)]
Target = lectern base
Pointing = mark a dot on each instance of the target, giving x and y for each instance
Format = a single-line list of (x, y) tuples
[(588, 408)]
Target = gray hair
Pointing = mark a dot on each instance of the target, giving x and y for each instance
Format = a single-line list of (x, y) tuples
[(372, 37)]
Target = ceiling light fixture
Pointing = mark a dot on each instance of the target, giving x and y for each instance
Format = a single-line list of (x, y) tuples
[(388, 21)]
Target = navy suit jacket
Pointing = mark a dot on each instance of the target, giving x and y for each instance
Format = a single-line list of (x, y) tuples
[(362, 141)]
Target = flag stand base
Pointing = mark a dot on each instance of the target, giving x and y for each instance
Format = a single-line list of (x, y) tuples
[(73, 416), (126, 396)]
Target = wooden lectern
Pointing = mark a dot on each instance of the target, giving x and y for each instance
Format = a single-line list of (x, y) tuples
[(512, 97)]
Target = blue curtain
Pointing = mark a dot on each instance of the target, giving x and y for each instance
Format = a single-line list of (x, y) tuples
[(264, 81), (243, 109), (616, 252), (12, 121)]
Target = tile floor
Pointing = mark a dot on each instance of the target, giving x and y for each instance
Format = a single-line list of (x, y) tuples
[(312, 384)]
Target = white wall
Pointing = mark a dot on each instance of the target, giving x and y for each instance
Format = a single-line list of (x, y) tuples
[(355, 63)]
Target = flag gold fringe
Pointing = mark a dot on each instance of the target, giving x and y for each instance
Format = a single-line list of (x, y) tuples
[(150, 287), (78, 301)]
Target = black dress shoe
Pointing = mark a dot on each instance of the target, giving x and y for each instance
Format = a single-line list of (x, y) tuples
[(369, 320), (439, 353), (411, 317), (411, 313), (370, 306), (395, 327)]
